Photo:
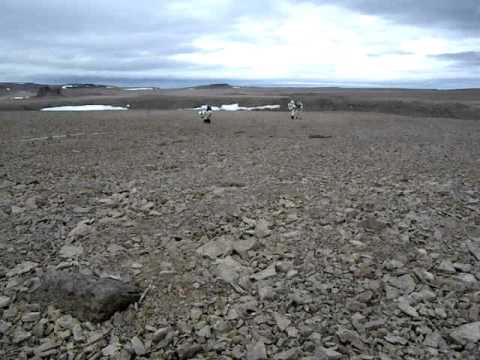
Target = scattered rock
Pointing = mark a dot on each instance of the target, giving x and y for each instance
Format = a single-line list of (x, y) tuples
[(20, 335), (282, 322), (291, 354), (433, 340), (4, 327), (262, 228), (405, 307), (257, 351), (447, 267), (373, 224), (322, 353), (4, 301), (265, 274), (69, 251), (188, 351), (474, 249), (31, 317), (82, 229), (160, 334), (229, 270), (467, 333), (216, 248), (137, 346), (243, 246), (22, 268)]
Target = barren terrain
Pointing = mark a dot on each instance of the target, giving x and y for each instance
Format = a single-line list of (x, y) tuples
[(342, 235)]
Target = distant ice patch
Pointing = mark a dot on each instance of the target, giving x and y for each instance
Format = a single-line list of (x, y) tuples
[(264, 107), (231, 107), (85, 108), (236, 107), (138, 89), (20, 97)]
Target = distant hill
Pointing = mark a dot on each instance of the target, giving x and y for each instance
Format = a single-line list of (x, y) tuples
[(214, 86), (29, 86), (12, 86)]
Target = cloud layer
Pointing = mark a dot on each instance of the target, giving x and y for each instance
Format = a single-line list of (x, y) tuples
[(344, 40)]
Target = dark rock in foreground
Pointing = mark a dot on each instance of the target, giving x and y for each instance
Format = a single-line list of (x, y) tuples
[(86, 297)]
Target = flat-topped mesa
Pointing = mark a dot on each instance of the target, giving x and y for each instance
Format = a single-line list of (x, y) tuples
[(215, 86)]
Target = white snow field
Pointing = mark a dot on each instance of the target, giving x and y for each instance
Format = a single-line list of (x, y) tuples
[(85, 108), (138, 89), (236, 107)]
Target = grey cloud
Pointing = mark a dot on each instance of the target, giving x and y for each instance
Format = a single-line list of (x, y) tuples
[(462, 58), (108, 35), (467, 62), (461, 16), (88, 38)]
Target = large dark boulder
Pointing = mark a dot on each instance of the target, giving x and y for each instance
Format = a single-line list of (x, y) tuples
[(86, 297)]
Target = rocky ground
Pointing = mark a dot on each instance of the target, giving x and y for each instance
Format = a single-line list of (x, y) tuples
[(338, 236)]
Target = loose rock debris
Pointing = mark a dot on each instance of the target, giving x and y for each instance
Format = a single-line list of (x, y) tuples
[(245, 247)]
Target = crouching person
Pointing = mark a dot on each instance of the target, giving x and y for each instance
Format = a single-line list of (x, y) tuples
[(292, 107), (295, 107), (206, 114)]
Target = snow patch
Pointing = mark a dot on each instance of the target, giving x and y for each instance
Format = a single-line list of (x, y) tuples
[(85, 108), (236, 107), (138, 89), (20, 97), (265, 107)]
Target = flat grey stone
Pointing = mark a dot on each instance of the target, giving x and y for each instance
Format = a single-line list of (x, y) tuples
[(282, 322), (447, 267), (265, 274), (82, 229), (467, 332), (322, 353), (137, 346), (20, 335), (257, 351), (406, 308), (216, 248), (70, 251), (291, 354), (4, 301), (433, 340), (262, 228), (188, 351), (22, 268)]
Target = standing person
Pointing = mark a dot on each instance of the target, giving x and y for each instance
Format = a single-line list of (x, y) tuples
[(299, 106), (206, 114)]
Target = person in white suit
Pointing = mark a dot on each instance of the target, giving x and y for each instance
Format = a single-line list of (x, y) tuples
[(295, 107), (206, 114)]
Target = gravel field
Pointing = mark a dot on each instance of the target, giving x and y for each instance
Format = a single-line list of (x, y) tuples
[(342, 235)]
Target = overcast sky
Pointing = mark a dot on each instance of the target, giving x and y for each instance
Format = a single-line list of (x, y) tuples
[(403, 41)]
